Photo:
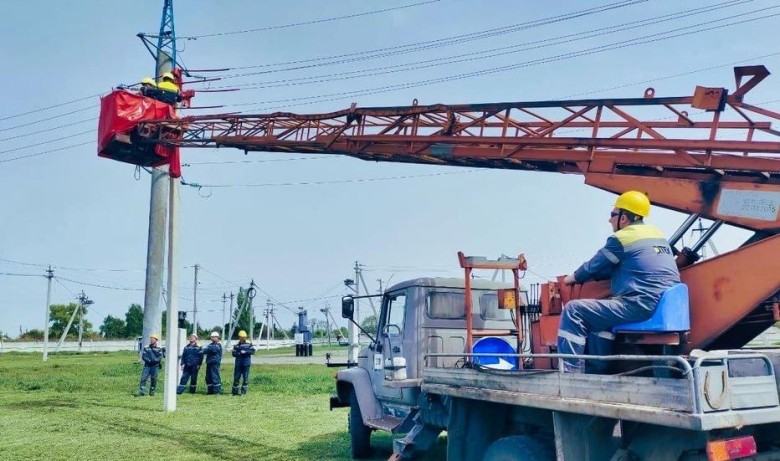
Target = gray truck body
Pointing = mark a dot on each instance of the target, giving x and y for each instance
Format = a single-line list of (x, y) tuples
[(492, 414)]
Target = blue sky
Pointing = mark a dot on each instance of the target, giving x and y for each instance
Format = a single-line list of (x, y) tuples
[(88, 216)]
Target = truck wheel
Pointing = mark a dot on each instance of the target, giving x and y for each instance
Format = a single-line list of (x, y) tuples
[(360, 434), (520, 448)]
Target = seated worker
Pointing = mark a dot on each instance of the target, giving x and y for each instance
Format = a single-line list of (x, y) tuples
[(639, 262), (169, 91)]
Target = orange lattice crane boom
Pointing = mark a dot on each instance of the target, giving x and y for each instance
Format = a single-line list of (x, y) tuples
[(711, 155)]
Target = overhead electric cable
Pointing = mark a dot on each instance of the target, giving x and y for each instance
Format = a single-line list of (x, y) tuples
[(478, 55), (48, 118), (46, 152), (98, 286), (50, 107), (565, 56), (343, 181), (456, 39), (315, 21), (27, 146)]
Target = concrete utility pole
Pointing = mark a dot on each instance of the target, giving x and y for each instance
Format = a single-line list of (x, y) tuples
[(354, 346), (325, 311), (195, 303), (84, 301), (172, 338), (268, 312), (49, 275), (225, 339), (359, 276), (224, 299), (158, 199)]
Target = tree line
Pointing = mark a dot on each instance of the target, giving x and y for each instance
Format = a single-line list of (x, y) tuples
[(131, 326)]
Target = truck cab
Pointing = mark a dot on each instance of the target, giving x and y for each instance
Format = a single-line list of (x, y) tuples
[(421, 323)]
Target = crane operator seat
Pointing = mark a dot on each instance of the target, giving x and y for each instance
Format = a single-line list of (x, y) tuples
[(669, 323)]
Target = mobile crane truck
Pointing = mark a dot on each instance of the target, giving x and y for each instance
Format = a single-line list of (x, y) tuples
[(680, 387)]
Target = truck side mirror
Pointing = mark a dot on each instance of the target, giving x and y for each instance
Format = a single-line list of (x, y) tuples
[(347, 307)]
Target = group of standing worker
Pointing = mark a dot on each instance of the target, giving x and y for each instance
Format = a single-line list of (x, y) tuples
[(192, 359)]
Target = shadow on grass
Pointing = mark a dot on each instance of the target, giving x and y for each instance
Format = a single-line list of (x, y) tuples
[(46, 404)]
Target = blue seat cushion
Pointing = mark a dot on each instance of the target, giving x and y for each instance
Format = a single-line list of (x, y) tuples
[(672, 314)]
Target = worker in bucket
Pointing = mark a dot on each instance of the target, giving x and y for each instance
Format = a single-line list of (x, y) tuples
[(169, 90), (639, 262), (148, 87), (191, 360), (213, 353), (152, 356), (242, 351)]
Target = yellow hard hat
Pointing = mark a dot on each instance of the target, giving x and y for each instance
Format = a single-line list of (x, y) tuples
[(635, 202), (148, 81), (167, 75), (242, 334), (154, 336)]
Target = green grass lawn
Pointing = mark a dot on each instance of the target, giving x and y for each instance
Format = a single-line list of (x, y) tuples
[(82, 407)]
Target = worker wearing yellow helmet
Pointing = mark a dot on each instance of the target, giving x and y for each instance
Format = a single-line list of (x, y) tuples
[(152, 356), (243, 352), (639, 262), (169, 90)]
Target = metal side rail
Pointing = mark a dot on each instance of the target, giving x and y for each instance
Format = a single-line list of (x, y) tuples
[(710, 394)]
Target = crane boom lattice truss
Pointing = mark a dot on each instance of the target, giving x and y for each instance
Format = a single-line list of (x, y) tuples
[(609, 141), (720, 161)]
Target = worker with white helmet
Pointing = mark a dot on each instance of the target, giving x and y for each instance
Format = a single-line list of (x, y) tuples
[(243, 352), (148, 86), (213, 353), (639, 262), (152, 356), (191, 360)]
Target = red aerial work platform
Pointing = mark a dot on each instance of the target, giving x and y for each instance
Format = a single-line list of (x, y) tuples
[(120, 137)]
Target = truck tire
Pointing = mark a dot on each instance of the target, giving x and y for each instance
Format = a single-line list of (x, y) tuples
[(521, 448), (359, 433)]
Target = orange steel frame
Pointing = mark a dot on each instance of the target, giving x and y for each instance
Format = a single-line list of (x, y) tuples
[(685, 160)]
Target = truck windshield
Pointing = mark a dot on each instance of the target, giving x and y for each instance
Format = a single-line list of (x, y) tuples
[(451, 305)]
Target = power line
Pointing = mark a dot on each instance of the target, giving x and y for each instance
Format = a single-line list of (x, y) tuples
[(48, 118), (91, 131), (322, 183), (316, 21), (50, 107), (479, 55), (45, 152), (561, 57), (441, 42), (382, 52), (98, 285), (322, 157)]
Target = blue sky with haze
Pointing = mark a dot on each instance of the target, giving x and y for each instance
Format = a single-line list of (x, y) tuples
[(296, 224)]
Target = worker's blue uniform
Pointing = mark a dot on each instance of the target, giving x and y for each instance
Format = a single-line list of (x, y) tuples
[(151, 356), (213, 353), (641, 266), (243, 352), (191, 360)]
